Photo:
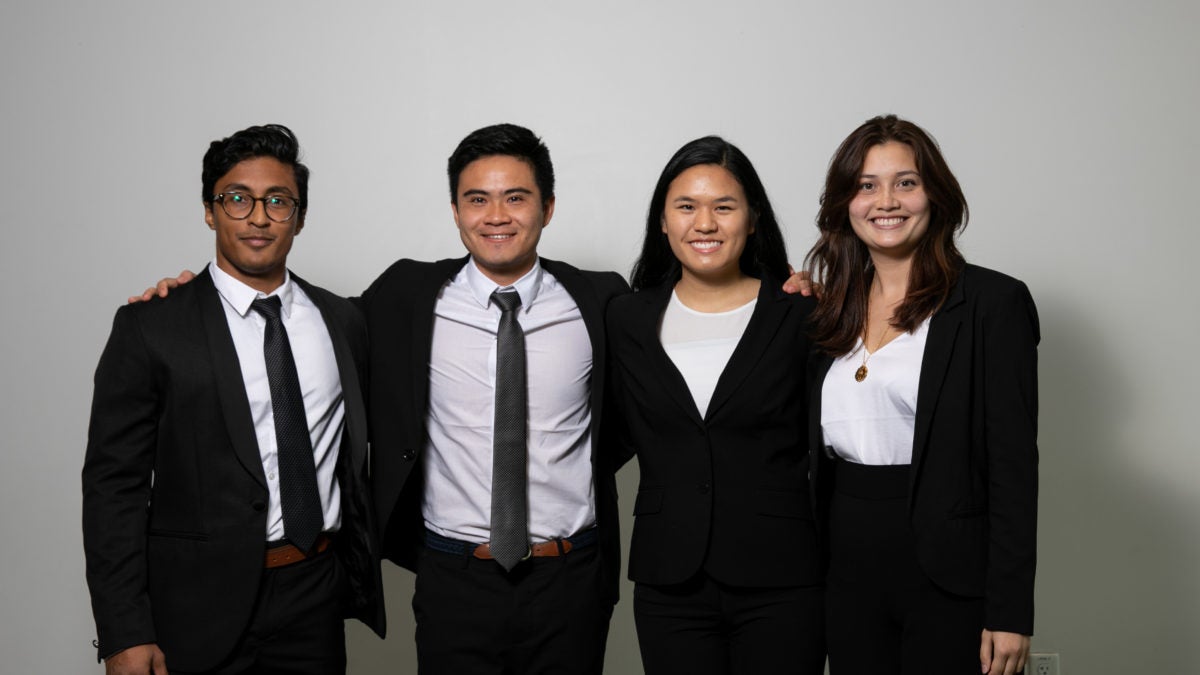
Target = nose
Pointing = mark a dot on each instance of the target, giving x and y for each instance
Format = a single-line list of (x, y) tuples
[(704, 221), (258, 214), (887, 198), (496, 213)]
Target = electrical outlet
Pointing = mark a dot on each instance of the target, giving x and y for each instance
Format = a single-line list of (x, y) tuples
[(1042, 664)]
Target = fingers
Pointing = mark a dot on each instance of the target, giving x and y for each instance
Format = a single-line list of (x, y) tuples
[(985, 651)]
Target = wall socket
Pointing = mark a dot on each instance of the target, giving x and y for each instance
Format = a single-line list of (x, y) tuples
[(1042, 664)]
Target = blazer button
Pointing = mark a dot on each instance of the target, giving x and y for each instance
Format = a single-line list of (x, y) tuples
[(409, 455), (703, 488), (258, 506)]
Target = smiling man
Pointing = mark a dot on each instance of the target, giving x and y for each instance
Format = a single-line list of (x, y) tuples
[(495, 488), (226, 519)]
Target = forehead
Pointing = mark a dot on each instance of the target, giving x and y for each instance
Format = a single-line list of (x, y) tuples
[(497, 172), (260, 173), (889, 157), (706, 179)]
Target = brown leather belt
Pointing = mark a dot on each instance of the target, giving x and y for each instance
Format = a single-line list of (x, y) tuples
[(544, 549), (278, 556)]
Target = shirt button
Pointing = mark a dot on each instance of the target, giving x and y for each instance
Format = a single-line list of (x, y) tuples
[(271, 476)]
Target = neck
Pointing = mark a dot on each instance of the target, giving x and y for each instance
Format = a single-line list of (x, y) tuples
[(891, 278), (711, 295)]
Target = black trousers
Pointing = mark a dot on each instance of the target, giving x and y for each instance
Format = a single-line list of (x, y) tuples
[(297, 626), (547, 616), (885, 616), (706, 627)]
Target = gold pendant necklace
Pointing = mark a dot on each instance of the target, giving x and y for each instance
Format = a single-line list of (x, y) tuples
[(861, 373)]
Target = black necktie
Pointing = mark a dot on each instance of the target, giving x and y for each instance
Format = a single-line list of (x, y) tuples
[(510, 508), (302, 519)]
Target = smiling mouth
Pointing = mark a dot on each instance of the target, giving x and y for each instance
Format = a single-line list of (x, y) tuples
[(498, 237), (891, 221), (705, 246)]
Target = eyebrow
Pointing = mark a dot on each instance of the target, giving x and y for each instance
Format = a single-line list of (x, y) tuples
[(906, 172), (238, 187), (509, 191), (687, 198)]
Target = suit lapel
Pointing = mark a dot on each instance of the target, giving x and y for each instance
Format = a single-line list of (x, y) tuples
[(770, 310), (227, 371), (939, 347), (646, 327), (356, 415), (585, 299)]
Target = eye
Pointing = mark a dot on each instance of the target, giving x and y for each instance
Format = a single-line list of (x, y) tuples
[(236, 198), (685, 207), (477, 200), (866, 186), (908, 183), (277, 201), (514, 199)]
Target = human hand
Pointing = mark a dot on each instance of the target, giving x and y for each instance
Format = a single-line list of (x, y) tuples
[(800, 283), (162, 288), (1002, 653), (145, 659)]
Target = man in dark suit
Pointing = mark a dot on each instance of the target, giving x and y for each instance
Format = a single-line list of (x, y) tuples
[(226, 519), (436, 338)]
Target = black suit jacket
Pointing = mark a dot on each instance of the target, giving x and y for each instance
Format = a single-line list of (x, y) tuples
[(973, 485), (174, 496), (399, 309), (726, 493)]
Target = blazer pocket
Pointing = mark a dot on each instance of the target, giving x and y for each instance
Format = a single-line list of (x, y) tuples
[(175, 534), (784, 504), (648, 501)]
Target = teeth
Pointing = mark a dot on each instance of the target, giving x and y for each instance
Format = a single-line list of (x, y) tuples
[(706, 245), (888, 222), (497, 236)]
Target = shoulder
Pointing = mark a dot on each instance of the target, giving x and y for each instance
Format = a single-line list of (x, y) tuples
[(407, 269), (987, 286), (606, 285)]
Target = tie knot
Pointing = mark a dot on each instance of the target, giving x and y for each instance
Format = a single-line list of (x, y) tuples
[(507, 301), (268, 307)]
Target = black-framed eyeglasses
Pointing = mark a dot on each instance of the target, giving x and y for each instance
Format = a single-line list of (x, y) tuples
[(239, 206)]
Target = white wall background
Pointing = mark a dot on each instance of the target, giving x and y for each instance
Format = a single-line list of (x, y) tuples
[(1071, 125)]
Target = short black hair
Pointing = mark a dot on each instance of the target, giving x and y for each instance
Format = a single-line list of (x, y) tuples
[(765, 253), (269, 140), (507, 140)]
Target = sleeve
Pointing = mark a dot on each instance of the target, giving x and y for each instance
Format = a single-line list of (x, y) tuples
[(1011, 335), (619, 447), (117, 474)]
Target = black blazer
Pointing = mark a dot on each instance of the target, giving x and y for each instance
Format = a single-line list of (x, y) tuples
[(726, 493), (174, 496), (399, 310), (973, 487)]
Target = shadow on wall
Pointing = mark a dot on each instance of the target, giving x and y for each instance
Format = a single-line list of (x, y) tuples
[(1118, 555)]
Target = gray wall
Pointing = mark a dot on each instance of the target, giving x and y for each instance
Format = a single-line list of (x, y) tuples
[(1072, 126)]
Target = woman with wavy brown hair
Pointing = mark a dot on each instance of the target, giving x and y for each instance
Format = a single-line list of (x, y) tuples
[(923, 420)]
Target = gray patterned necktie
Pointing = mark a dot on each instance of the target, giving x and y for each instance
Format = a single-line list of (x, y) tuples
[(510, 500), (301, 502)]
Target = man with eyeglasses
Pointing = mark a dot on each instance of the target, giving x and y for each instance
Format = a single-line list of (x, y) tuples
[(226, 518)]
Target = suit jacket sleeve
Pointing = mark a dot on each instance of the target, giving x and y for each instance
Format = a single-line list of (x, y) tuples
[(1011, 335), (116, 487)]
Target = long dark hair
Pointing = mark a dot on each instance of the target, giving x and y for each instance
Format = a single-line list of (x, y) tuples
[(840, 262), (765, 253)]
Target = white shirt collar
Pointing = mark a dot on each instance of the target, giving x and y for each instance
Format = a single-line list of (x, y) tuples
[(240, 296), (483, 287)]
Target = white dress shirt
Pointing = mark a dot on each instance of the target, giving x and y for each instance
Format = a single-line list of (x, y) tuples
[(872, 422), (462, 371), (320, 383), (700, 344)]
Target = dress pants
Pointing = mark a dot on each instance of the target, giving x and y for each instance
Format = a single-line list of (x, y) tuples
[(705, 627), (547, 616), (884, 615), (297, 627)]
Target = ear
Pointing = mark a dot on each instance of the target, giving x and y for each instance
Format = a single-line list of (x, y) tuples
[(547, 212), (662, 222), (300, 221), (454, 212), (209, 217)]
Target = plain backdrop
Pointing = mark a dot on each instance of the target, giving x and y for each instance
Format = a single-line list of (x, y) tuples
[(1072, 127)]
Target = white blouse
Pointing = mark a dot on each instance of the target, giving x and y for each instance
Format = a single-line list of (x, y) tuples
[(700, 344), (872, 422)]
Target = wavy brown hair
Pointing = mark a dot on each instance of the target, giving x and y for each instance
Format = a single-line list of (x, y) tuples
[(840, 262)]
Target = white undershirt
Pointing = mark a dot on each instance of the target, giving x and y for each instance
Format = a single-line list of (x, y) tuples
[(700, 344), (462, 372), (320, 383), (872, 422)]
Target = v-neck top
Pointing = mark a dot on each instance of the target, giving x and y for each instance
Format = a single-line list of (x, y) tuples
[(700, 344), (872, 422)]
